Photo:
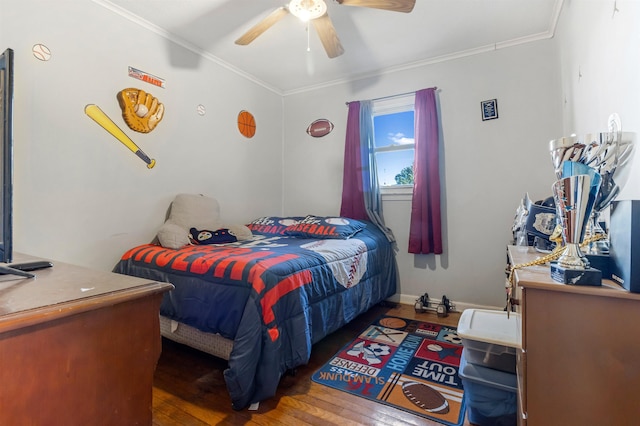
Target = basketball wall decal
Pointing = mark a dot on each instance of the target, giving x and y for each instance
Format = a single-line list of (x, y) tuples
[(246, 124), (319, 128)]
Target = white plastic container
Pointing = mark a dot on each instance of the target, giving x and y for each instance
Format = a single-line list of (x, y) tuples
[(490, 338), (491, 394)]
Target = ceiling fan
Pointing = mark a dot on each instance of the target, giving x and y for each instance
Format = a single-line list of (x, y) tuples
[(315, 11)]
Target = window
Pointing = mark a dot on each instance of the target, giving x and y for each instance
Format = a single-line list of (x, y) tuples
[(393, 133)]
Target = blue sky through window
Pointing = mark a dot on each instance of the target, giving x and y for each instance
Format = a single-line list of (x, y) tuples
[(394, 135)]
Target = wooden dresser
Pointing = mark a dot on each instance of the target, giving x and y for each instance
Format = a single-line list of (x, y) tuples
[(580, 358), (78, 347)]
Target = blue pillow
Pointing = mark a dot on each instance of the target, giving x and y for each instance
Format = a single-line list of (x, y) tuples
[(325, 227), (273, 225)]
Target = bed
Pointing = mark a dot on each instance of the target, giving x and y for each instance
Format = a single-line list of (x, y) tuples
[(267, 299)]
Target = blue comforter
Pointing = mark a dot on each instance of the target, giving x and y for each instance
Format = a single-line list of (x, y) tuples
[(274, 296)]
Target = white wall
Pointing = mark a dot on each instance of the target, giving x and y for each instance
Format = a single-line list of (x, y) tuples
[(569, 84), (80, 196), (599, 51), (488, 166)]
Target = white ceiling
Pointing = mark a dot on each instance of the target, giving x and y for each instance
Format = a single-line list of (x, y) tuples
[(374, 40)]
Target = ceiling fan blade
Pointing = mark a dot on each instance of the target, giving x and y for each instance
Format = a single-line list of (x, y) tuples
[(262, 26), (328, 36), (405, 6)]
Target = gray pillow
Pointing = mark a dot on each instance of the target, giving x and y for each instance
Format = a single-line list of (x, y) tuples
[(188, 211)]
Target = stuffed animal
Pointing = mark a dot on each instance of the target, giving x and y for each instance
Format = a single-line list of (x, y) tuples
[(219, 236)]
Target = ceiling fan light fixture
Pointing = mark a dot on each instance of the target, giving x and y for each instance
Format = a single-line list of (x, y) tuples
[(307, 10)]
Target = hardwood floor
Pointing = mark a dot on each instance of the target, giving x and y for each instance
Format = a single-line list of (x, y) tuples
[(189, 388)]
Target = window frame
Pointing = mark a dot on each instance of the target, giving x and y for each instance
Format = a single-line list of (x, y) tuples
[(388, 106)]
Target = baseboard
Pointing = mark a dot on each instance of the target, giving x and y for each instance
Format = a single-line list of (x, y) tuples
[(458, 306)]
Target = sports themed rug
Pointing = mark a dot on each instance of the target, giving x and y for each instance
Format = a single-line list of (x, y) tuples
[(407, 364)]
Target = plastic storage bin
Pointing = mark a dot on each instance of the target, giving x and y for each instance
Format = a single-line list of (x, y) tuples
[(491, 394), (490, 338)]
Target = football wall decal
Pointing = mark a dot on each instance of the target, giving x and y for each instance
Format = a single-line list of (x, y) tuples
[(320, 128)]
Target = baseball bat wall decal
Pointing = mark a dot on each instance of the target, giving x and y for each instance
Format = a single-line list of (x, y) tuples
[(106, 123)]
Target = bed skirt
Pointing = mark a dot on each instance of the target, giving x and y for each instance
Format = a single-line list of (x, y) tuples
[(213, 344)]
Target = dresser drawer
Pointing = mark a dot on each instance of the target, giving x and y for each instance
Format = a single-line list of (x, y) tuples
[(521, 366)]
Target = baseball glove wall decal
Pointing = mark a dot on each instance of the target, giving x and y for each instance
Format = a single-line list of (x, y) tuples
[(141, 111)]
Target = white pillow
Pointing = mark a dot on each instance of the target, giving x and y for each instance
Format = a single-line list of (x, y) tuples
[(188, 211), (241, 232), (195, 211), (173, 236)]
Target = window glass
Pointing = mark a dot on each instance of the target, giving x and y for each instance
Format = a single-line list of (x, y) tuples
[(395, 167), (394, 146)]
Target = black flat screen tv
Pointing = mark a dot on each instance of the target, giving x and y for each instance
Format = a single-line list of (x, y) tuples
[(6, 156)]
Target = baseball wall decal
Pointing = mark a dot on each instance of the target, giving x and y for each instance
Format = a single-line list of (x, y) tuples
[(141, 110), (97, 115), (41, 52)]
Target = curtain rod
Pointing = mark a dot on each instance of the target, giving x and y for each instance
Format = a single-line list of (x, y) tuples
[(394, 96)]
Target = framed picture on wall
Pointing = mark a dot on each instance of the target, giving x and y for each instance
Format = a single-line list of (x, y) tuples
[(489, 109)]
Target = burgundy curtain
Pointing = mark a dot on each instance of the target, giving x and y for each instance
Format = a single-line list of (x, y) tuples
[(352, 191), (425, 234)]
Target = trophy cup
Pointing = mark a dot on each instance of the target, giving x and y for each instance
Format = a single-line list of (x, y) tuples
[(566, 149), (604, 152), (574, 196), (614, 148)]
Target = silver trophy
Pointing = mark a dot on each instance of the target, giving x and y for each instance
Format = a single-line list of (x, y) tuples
[(574, 197), (604, 152), (614, 148), (566, 149)]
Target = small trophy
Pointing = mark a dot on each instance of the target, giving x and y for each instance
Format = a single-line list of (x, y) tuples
[(575, 196)]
